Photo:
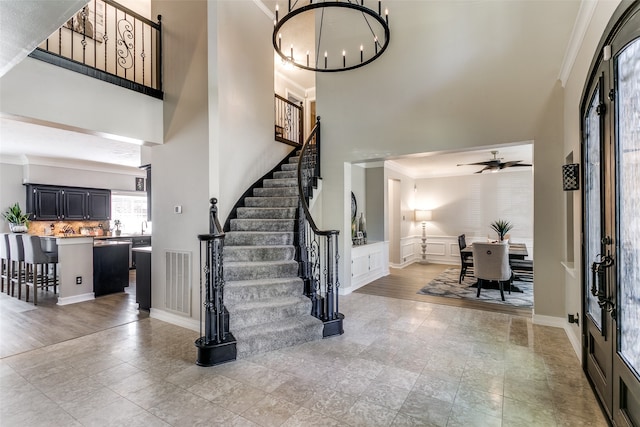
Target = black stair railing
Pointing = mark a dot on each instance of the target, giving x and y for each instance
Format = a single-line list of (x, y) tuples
[(289, 121), (317, 250), (217, 344), (110, 42)]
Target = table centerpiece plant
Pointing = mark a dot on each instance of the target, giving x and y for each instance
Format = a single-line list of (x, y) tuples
[(501, 227), (18, 220)]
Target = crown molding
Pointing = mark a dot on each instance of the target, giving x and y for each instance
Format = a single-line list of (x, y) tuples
[(84, 165), (583, 19), (390, 164), (265, 9)]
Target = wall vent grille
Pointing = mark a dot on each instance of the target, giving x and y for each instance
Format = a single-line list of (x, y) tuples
[(178, 282)]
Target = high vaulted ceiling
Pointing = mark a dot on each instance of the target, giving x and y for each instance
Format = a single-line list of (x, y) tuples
[(21, 22)]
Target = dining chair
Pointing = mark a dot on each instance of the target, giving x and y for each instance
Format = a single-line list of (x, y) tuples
[(466, 259), (491, 263)]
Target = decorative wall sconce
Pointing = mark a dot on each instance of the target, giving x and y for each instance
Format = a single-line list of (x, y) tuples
[(423, 216), (571, 177)]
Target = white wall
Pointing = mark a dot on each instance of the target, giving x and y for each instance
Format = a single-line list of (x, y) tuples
[(468, 204), (470, 99), (11, 190), (217, 141), (41, 92), (243, 89), (595, 27)]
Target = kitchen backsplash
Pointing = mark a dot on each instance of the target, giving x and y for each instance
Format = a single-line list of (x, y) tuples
[(80, 228)]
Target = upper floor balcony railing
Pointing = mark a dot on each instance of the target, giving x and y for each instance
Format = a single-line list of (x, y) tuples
[(107, 41)]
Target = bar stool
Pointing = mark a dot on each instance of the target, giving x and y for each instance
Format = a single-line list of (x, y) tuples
[(5, 263), (37, 265), (16, 251)]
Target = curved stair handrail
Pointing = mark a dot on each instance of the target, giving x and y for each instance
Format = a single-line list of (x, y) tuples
[(317, 250)]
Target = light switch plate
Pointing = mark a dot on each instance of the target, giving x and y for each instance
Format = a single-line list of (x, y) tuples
[(177, 209)]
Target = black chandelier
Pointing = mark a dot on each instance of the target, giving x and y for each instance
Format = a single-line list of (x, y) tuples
[(330, 35)]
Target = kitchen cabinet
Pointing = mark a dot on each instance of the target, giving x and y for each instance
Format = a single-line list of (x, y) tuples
[(49, 202), (143, 277), (110, 267), (138, 242)]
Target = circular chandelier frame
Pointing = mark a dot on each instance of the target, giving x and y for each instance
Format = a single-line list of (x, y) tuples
[(326, 4)]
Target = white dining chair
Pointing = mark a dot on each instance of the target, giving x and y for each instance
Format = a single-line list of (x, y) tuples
[(491, 263)]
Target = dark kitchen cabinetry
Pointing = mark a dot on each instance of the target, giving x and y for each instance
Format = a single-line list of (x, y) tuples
[(138, 242), (110, 268), (48, 202)]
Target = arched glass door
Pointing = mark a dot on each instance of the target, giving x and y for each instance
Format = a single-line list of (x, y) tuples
[(611, 225)]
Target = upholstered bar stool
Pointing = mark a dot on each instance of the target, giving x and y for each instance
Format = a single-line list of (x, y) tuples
[(16, 251), (5, 263), (37, 265)]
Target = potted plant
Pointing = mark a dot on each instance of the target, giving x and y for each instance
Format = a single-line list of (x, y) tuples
[(501, 227), (117, 224), (18, 221)]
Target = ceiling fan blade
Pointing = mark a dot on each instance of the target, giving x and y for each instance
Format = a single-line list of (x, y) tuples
[(475, 164), (520, 164), (484, 169), (509, 164)]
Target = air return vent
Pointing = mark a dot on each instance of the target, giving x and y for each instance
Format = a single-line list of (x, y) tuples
[(178, 282)]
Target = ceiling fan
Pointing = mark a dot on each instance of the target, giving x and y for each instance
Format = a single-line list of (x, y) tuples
[(496, 164)]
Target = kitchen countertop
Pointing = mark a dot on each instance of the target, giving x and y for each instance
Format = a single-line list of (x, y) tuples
[(109, 243), (122, 236)]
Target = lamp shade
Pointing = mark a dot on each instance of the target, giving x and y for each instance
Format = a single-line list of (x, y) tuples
[(422, 215)]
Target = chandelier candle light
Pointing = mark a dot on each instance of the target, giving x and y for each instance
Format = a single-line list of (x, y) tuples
[(423, 216), (335, 28)]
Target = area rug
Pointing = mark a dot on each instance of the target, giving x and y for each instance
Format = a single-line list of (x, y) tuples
[(446, 285)]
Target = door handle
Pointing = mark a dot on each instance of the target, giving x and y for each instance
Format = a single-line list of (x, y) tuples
[(599, 284)]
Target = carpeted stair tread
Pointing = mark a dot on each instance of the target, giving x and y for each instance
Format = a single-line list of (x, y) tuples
[(271, 201), (249, 290), (259, 270), (280, 182), (290, 167), (275, 192), (275, 335), (286, 174), (259, 238), (257, 312), (262, 224), (259, 253), (266, 213)]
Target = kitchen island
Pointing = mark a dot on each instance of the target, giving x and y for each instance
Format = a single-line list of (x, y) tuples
[(110, 266), (75, 267)]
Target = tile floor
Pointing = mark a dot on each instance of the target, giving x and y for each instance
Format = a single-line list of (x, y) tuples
[(399, 363)]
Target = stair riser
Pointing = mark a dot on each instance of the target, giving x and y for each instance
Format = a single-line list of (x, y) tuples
[(266, 213), (262, 224), (268, 271), (294, 160), (258, 253), (279, 183), (290, 167), (276, 192), (286, 174), (248, 238), (271, 202), (262, 344), (244, 319), (238, 294)]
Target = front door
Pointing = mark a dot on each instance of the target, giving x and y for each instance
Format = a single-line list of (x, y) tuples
[(611, 166)]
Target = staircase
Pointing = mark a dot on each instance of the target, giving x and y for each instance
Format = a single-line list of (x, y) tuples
[(263, 293)]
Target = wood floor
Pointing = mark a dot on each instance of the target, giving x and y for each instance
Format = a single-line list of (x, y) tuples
[(27, 327), (404, 283)]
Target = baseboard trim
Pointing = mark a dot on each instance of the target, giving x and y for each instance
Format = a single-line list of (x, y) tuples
[(76, 299), (559, 322), (174, 319)]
